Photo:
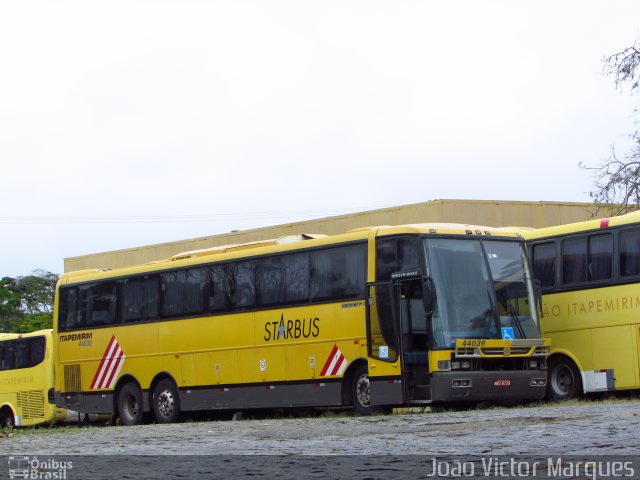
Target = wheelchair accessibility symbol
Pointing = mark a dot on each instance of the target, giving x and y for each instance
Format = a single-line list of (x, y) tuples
[(507, 333)]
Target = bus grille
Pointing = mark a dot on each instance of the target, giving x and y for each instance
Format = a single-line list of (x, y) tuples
[(32, 404), (72, 379), (493, 351)]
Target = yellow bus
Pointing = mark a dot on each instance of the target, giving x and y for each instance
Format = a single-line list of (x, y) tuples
[(374, 318), (589, 274), (26, 376)]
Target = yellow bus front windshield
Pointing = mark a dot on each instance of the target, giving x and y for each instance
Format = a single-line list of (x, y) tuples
[(483, 290)]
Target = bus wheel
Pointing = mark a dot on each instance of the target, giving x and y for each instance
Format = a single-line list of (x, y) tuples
[(361, 391), (166, 403), (564, 379), (130, 405), (6, 420)]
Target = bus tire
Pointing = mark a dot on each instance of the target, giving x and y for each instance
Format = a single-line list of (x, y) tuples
[(130, 405), (166, 402), (564, 380), (361, 391), (6, 419)]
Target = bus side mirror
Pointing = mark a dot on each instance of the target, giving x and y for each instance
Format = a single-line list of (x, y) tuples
[(428, 296)]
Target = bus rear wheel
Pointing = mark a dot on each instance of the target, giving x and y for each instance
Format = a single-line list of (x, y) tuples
[(564, 381), (130, 405), (165, 402)]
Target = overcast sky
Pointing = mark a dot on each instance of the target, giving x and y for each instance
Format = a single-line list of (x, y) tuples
[(125, 123)]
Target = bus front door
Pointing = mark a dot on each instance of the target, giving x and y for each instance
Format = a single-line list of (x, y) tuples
[(397, 329)]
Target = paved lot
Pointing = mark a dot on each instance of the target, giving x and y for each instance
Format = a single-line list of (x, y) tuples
[(588, 428), (592, 428)]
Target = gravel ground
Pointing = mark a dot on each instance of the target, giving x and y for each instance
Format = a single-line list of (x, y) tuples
[(586, 428)]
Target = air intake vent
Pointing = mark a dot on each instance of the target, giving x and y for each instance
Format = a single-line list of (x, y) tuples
[(72, 379), (32, 404)]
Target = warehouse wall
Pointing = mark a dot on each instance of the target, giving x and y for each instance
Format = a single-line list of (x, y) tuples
[(478, 212)]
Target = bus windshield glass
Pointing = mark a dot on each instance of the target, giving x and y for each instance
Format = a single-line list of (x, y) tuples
[(483, 290)]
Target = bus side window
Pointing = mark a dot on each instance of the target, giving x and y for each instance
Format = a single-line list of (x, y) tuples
[(219, 299), (574, 260), (6, 355), (21, 353), (600, 255), (338, 272), (630, 252), (245, 283), (68, 316), (297, 272), (103, 304), (183, 292), (140, 299), (36, 350), (271, 281), (544, 263)]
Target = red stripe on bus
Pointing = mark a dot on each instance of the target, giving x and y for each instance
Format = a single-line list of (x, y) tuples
[(116, 367), (329, 360), (104, 357), (604, 223)]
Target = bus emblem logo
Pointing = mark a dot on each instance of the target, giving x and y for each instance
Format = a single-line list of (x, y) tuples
[(110, 366)]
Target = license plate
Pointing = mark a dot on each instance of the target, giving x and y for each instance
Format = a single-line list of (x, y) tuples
[(502, 382)]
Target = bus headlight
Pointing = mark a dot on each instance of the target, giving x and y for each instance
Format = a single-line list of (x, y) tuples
[(460, 365)]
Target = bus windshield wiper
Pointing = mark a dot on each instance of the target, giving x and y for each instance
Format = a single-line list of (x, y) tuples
[(483, 320), (516, 320)]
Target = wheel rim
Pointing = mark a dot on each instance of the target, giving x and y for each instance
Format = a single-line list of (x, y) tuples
[(562, 380), (131, 406), (166, 403), (362, 391)]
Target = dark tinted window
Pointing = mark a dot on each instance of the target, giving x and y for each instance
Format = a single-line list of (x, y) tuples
[(272, 287), (140, 299), (283, 279), (385, 259), (245, 291), (630, 252), (544, 263), (298, 275), (600, 255), (232, 286), (338, 272), (22, 353), (6, 355), (396, 255), (103, 304), (574, 260), (220, 286), (183, 292), (68, 314)]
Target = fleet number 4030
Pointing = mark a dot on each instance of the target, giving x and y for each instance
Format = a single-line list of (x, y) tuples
[(474, 343)]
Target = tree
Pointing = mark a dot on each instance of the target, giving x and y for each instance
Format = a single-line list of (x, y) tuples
[(10, 312), (617, 178), (37, 291), (26, 303)]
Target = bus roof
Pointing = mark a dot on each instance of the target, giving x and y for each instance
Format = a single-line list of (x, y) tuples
[(287, 243), (595, 224), (12, 336)]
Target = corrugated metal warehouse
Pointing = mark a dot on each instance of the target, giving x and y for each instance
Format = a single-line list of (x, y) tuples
[(493, 213)]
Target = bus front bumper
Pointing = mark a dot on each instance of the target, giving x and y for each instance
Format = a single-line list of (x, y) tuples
[(466, 386)]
